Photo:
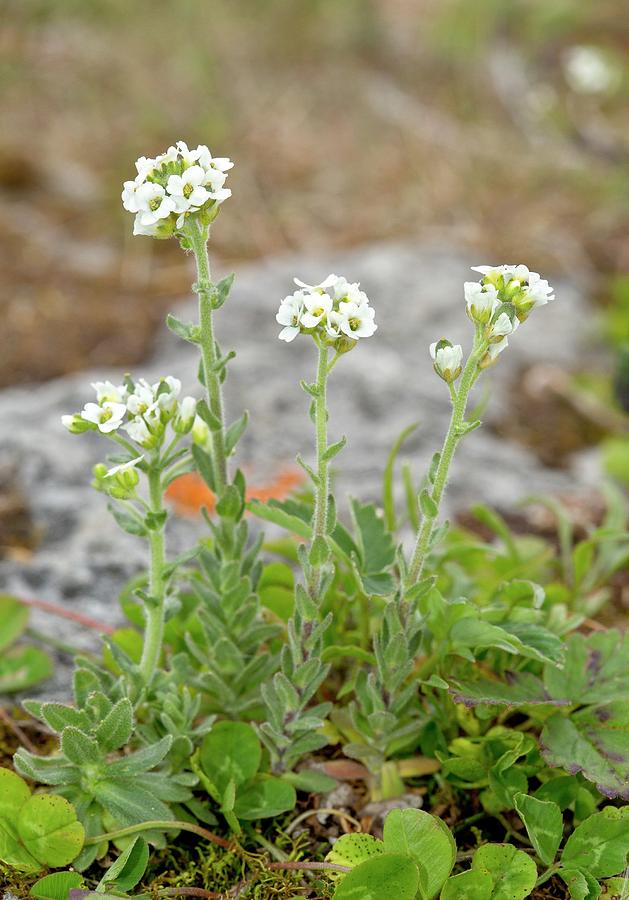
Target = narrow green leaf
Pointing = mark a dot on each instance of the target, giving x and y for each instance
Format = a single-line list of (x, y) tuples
[(389, 469), (13, 619), (427, 505), (185, 330)]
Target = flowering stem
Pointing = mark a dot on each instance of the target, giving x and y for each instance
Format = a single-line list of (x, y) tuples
[(209, 353), (321, 493), (154, 630), (453, 436)]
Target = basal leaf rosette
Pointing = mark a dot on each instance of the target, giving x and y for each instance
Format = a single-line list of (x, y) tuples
[(173, 186)]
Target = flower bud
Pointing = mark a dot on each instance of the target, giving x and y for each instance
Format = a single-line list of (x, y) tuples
[(447, 359), (505, 323), (481, 300), (184, 420), (200, 432), (76, 424), (493, 352)]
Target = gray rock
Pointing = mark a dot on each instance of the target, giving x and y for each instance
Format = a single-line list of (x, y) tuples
[(376, 390)]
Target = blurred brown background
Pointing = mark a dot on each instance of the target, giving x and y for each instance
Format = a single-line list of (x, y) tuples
[(500, 125)]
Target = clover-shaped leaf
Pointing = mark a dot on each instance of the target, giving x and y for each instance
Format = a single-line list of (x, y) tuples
[(426, 840), (36, 831), (388, 875)]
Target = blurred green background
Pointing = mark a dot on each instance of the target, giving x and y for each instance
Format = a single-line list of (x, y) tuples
[(498, 125)]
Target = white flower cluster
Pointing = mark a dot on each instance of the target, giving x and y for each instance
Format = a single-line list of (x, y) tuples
[(141, 409), (334, 309), (503, 298), (174, 185)]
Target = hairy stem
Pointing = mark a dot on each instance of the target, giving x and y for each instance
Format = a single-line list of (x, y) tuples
[(453, 436), (154, 630), (209, 352), (321, 493)]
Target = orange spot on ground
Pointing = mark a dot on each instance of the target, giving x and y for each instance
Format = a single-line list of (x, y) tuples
[(189, 493)]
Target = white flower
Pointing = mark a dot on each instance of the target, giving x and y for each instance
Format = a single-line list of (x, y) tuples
[(144, 166), (200, 431), (333, 323), (153, 204), (289, 315), (493, 352), (105, 390), (345, 290), (187, 190), (166, 392), (327, 282), (129, 194), (588, 71), (204, 157), (521, 273), (539, 290), (142, 398), (481, 299), (107, 417), (317, 306), (357, 319), (138, 431), (503, 326), (123, 467), (447, 359), (185, 418)]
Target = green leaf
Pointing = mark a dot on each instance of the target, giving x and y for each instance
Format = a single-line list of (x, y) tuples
[(265, 797), (562, 790), (594, 741), (272, 512), (14, 793), (204, 465), (544, 824), (353, 849), (596, 668), (581, 885), (185, 330), (470, 885), (334, 449), (126, 521), (56, 886), (13, 619), (48, 828), (311, 781), (78, 747), (212, 421), (547, 646), (383, 876), (231, 505), (427, 840), (427, 505), (222, 291), (376, 543), (235, 432), (130, 803), (116, 728), (129, 868), (513, 872), (23, 667), (516, 689), (231, 751), (600, 844), (387, 486)]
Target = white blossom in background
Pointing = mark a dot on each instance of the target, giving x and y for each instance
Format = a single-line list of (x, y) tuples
[(447, 359), (335, 310), (589, 71), (173, 186)]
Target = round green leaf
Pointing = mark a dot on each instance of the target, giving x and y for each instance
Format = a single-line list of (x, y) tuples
[(230, 752), (48, 828), (600, 844), (383, 876), (513, 872), (13, 619), (56, 886), (265, 797), (22, 667), (427, 840), (14, 792), (353, 849), (468, 885)]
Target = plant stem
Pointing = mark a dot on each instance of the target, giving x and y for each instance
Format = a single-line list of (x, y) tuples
[(209, 353), (453, 436), (154, 630), (321, 494), (161, 825)]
